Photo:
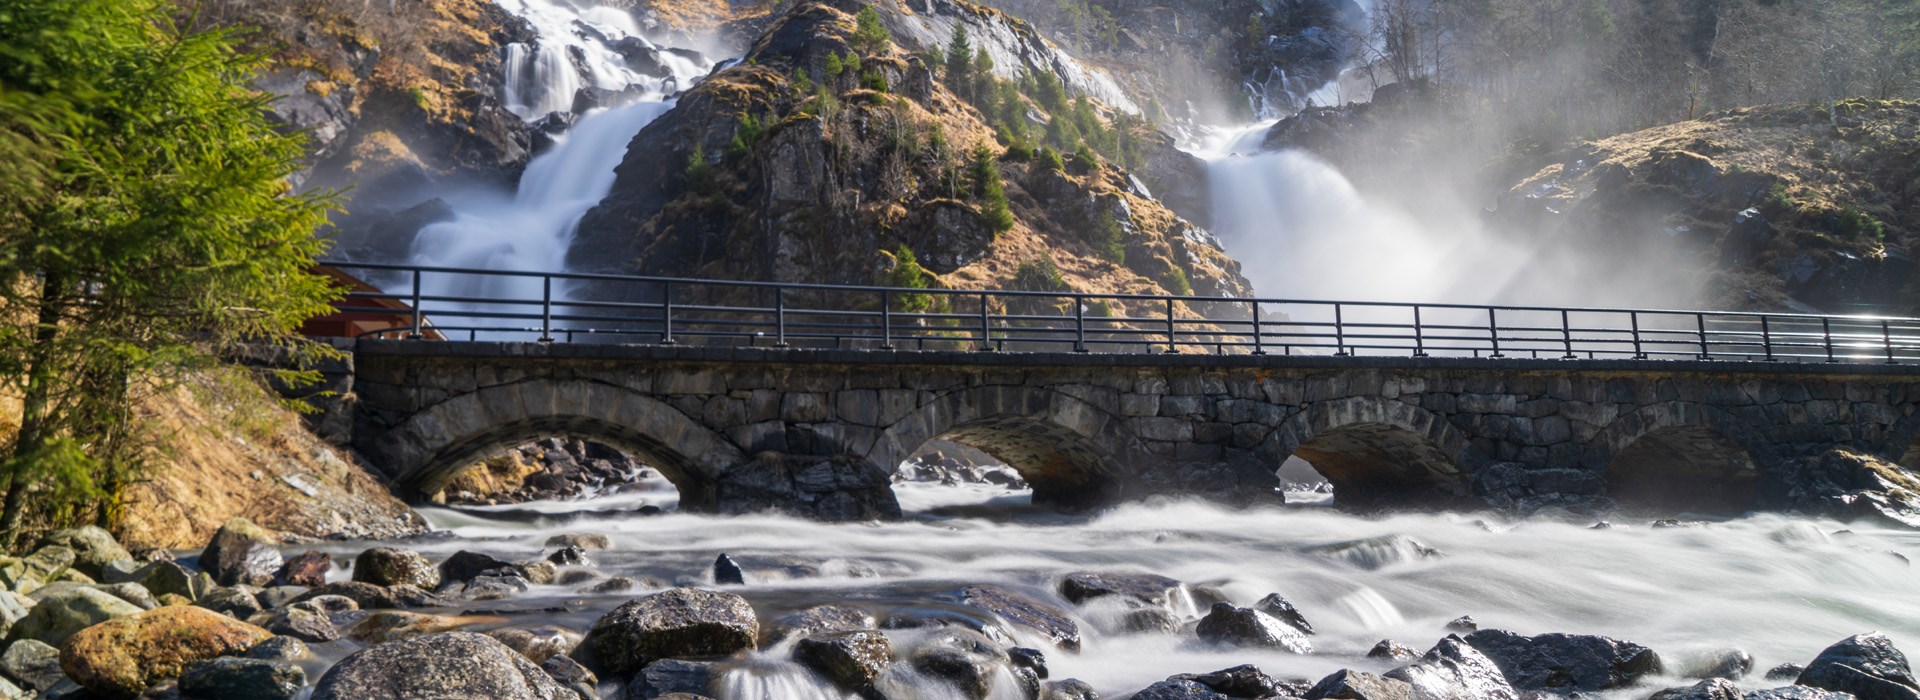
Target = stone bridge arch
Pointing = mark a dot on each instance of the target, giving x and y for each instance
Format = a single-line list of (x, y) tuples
[(1676, 456), (426, 450), (1379, 452), (1074, 454)]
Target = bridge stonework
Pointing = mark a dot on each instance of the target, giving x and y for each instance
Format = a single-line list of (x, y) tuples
[(745, 428)]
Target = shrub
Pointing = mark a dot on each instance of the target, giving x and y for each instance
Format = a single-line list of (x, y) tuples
[(1109, 240), (1039, 275), (834, 65), (1050, 160), (1176, 281), (907, 273), (869, 35)]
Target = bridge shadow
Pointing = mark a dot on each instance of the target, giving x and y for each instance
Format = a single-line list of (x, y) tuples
[(1381, 454), (1673, 458)]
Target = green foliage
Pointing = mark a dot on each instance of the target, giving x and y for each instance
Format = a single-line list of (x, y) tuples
[(747, 131), (852, 62), (1109, 239), (908, 274), (869, 35), (874, 80), (802, 83), (959, 72), (1176, 281), (419, 98), (148, 226), (834, 65), (702, 178), (1050, 160), (1084, 158), (1039, 275), (991, 191), (1849, 222)]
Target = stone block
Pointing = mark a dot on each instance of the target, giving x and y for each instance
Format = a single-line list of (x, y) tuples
[(1284, 392), (1162, 429), (1132, 405), (691, 381), (755, 438), (1213, 433), (1247, 411), (1551, 430), (804, 407), (1186, 405)]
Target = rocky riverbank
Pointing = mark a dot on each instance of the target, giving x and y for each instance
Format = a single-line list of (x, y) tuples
[(85, 618)]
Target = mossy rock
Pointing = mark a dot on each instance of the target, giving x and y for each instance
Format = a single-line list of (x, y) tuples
[(93, 548), (121, 657), (65, 612)]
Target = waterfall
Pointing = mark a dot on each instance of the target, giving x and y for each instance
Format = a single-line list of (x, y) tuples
[(531, 230)]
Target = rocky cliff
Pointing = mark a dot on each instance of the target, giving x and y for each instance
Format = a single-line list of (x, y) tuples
[(792, 166)]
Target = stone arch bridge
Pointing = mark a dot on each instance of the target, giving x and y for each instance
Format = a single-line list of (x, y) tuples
[(818, 432)]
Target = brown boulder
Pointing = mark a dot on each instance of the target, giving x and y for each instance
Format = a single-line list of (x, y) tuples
[(121, 657)]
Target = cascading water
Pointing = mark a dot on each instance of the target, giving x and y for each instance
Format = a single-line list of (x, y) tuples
[(531, 230)]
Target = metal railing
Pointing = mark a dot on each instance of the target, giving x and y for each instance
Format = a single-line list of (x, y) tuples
[(474, 304)]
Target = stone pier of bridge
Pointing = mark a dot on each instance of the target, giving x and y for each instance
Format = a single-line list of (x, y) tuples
[(819, 432)]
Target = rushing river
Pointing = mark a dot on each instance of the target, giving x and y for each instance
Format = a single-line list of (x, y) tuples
[(1780, 588)]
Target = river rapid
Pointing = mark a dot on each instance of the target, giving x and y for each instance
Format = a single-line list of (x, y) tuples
[(1780, 588)]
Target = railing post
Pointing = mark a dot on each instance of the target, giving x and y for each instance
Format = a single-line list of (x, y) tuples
[(418, 315), (1766, 337), (1886, 334), (986, 326), (1339, 332), (1826, 332), (546, 309), (1638, 352), (1419, 334), (1259, 343), (666, 313), (1566, 336), (1170, 337), (886, 319), (1079, 323), (1700, 322), (780, 317), (1493, 331)]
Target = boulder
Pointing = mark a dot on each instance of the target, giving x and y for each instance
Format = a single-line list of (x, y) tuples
[(233, 677), (60, 615), (963, 658), (669, 677), (121, 657), (1730, 664), (164, 577), (1454, 670), (33, 664), (372, 597), (1797, 692), (302, 622), (235, 602), (1866, 665), (393, 566), (13, 609), (851, 660), (1710, 689), (537, 643), (1463, 624), (93, 548), (394, 625), (1391, 650), (307, 569), (573, 675), (445, 666), (280, 649), (465, 566), (1785, 672), (583, 540), (817, 619), (1284, 611), (725, 572), (494, 587), (1566, 662), (1243, 681), (1022, 611), (1030, 659), (675, 622), (43, 566), (835, 489), (1246, 627), (1844, 485), (571, 556), (1178, 690), (1068, 689), (241, 552), (1360, 685), (131, 592), (1151, 589)]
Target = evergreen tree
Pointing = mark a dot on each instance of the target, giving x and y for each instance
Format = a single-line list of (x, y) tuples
[(869, 35), (990, 190), (834, 66), (960, 61), (908, 274)]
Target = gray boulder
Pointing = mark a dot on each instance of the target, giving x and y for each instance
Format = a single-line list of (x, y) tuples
[(1284, 611), (675, 622), (818, 619), (1246, 627), (241, 553), (1710, 689), (839, 488), (668, 677), (1454, 670), (961, 657), (1360, 685), (280, 648), (1866, 665), (1243, 681), (1797, 692), (60, 615), (33, 664), (537, 643), (851, 660), (1179, 690), (1022, 611), (233, 601), (443, 666), (464, 566), (93, 548), (235, 677), (573, 675), (1151, 589), (1566, 662), (301, 622), (393, 566)]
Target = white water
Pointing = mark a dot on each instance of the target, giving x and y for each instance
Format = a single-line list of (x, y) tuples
[(1780, 588), (531, 230)]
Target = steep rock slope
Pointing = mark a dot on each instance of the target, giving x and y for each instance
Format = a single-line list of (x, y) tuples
[(778, 169)]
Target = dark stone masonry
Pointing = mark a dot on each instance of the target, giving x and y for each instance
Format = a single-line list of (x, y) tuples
[(818, 432)]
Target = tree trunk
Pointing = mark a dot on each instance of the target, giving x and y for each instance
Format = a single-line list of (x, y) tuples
[(34, 405)]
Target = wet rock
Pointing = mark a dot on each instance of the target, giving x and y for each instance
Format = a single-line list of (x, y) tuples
[(1454, 670), (615, 584), (1284, 611), (726, 572), (1785, 672), (305, 569), (33, 664), (1243, 681), (1360, 685), (1030, 659), (570, 556), (123, 656), (1246, 627), (964, 658), (1710, 689), (835, 489), (231, 677), (1069, 689), (280, 649), (392, 566), (302, 623), (60, 615), (1393, 651), (494, 587), (167, 577), (234, 602), (1845, 485), (1178, 690), (1730, 664), (540, 572), (373, 597), (1866, 665), (464, 566), (583, 540), (241, 553), (573, 675), (816, 620), (1463, 624), (537, 643), (1022, 611), (445, 665), (676, 622), (1377, 552), (43, 566), (575, 577), (394, 625), (279, 596), (1797, 692), (93, 548), (329, 605), (1566, 662), (667, 677), (851, 660), (1146, 588)]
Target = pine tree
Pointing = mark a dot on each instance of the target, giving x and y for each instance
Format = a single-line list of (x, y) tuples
[(834, 67), (960, 62), (869, 35), (990, 190)]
